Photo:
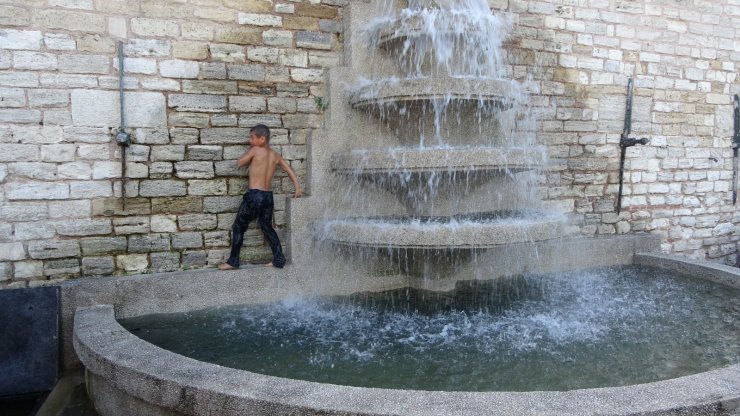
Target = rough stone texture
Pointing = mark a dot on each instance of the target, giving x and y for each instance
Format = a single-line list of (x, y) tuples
[(200, 73)]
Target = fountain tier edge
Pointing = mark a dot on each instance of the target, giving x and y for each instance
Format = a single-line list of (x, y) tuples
[(127, 375)]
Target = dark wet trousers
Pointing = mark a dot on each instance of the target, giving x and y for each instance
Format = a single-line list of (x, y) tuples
[(255, 204)]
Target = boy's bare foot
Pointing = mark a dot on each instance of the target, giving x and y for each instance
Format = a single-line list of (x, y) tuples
[(268, 265), (226, 266)]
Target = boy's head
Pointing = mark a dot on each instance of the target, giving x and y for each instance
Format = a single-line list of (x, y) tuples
[(259, 131)]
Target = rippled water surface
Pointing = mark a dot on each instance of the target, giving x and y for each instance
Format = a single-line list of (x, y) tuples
[(597, 328)]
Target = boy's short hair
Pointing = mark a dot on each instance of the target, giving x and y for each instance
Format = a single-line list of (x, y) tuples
[(261, 130)]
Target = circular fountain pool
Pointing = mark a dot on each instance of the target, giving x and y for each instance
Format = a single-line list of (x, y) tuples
[(598, 328)]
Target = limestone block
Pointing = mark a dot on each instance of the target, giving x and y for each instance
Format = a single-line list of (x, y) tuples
[(117, 27), (167, 153), (19, 79), (148, 242), (83, 227), (314, 40), (57, 118), (132, 262), (227, 52), (12, 251), (187, 240), (34, 230), (220, 204), (160, 84), (35, 61), (86, 135), (33, 170), (62, 268), (160, 170), (101, 108), (101, 152), (257, 19), (199, 152), (131, 225), (238, 35), (68, 81), (241, 104), (37, 134), (59, 41), (137, 170), (224, 120), (36, 191), (217, 239), (14, 16), (217, 14), (176, 68), (53, 249), (270, 120), (90, 189), (263, 54), (182, 119), (27, 269), (164, 224), (179, 135), (177, 205), (307, 75), (247, 72), (106, 170), (224, 135), (98, 266), (146, 66), (293, 57), (228, 168), (197, 102), (69, 209), (12, 97), (194, 258), (3, 173), (20, 116), (58, 152), (207, 187), (48, 98), (165, 262), (323, 59), (196, 30), (152, 136), (210, 87), (147, 47), (155, 27), (74, 170), (6, 59), (279, 38), (213, 70), (84, 64), (184, 49), (154, 188), (316, 10), (282, 105), (197, 222), (300, 23), (194, 170), (96, 43), (23, 211), (20, 39)]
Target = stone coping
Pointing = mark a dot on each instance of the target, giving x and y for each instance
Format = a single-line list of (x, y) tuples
[(147, 375), (484, 92), (464, 160), (463, 234)]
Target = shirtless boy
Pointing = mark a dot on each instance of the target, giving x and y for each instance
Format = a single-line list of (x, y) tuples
[(257, 202)]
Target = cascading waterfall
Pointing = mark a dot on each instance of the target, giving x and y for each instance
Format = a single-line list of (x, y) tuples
[(465, 167)]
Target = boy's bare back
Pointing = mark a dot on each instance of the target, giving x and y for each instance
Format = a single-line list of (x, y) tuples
[(263, 162)]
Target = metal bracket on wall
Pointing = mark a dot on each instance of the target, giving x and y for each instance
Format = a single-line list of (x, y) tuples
[(122, 138), (625, 141)]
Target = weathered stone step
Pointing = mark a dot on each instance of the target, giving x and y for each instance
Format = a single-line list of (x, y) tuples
[(486, 93), (463, 160), (408, 233)]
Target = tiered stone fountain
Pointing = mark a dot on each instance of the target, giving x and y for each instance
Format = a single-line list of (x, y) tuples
[(426, 161)]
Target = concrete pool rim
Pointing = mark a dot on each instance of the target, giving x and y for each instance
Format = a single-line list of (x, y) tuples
[(127, 373)]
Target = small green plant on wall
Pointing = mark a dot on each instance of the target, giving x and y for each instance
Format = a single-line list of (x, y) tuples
[(321, 103)]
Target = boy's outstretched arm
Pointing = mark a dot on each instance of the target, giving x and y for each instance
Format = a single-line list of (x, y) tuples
[(293, 178), (244, 160)]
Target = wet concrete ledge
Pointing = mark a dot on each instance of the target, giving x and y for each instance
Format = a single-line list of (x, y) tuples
[(127, 375)]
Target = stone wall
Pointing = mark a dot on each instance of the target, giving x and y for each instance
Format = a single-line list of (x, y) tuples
[(684, 57), (199, 73)]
